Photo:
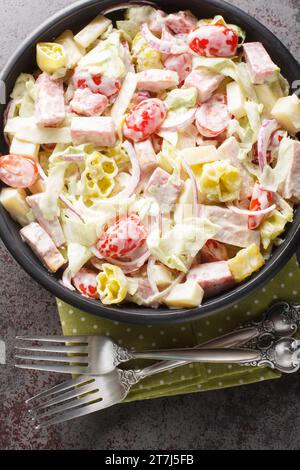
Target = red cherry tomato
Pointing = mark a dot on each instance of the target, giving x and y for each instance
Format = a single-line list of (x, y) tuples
[(18, 172), (144, 119), (261, 199), (85, 282), (122, 238), (213, 117), (214, 41)]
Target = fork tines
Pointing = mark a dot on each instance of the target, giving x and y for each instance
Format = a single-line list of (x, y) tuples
[(73, 351), (72, 399)]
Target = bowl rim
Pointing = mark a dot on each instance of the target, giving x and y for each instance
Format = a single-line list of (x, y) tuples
[(142, 315)]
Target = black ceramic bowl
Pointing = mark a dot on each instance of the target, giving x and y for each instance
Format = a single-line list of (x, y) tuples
[(74, 17)]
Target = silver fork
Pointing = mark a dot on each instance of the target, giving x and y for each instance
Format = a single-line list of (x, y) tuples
[(98, 355), (85, 395)]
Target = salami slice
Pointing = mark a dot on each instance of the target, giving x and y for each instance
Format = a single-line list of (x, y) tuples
[(213, 117), (85, 282), (144, 120), (18, 172)]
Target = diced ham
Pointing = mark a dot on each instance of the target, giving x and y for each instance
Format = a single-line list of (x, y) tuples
[(157, 80), (181, 63), (233, 227), (147, 158), (144, 291), (182, 22), (157, 22), (230, 150), (52, 227), (260, 64), (87, 103), (163, 190), (291, 189), (43, 246), (214, 278), (50, 104), (99, 131), (213, 251), (205, 81)]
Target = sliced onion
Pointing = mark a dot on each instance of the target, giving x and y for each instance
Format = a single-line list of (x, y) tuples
[(67, 280), (42, 174), (75, 157), (97, 263), (194, 181), (264, 136), (165, 47), (96, 253), (237, 210), (180, 122), (136, 174), (8, 114), (150, 267), (70, 206), (131, 266)]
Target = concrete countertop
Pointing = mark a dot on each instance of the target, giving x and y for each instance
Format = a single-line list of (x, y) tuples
[(261, 416)]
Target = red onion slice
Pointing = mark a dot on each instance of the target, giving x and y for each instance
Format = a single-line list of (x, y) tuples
[(67, 280), (75, 157), (194, 181), (129, 267), (165, 47), (180, 122), (237, 210), (264, 136), (70, 206)]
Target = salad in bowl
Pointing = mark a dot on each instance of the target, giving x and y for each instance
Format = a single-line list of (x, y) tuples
[(153, 160)]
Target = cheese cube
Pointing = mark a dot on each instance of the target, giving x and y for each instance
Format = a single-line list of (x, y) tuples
[(92, 31), (236, 100), (14, 201), (246, 262), (24, 149), (74, 51), (267, 97), (287, 113), (187, 295), (162, 276), (197, 156), (185, 206)]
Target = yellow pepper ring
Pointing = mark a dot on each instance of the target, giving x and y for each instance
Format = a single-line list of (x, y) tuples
[(112, 285), (50, 56)]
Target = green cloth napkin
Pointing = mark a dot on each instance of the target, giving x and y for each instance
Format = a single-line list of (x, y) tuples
[(195, 377)]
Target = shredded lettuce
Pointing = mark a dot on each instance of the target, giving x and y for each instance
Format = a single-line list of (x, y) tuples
[(272, 178), (129, 27), (21, 85), (26, 129), (237, 71), (178, 247), (105, 58), (140, 14), (79, 232), (182, 98)]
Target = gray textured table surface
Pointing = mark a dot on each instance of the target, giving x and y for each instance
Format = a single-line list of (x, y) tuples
[(262, 416)]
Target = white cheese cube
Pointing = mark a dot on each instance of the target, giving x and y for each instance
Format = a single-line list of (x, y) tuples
[(185, 206), (187, 295), (92, 31), (162, 276), (287, 113), (267, 97), (74, 51), (24, 149), (197, 156), (14, 201), (236, 100)]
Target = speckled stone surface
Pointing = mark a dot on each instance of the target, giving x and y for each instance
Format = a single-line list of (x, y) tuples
[(262, 416)]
